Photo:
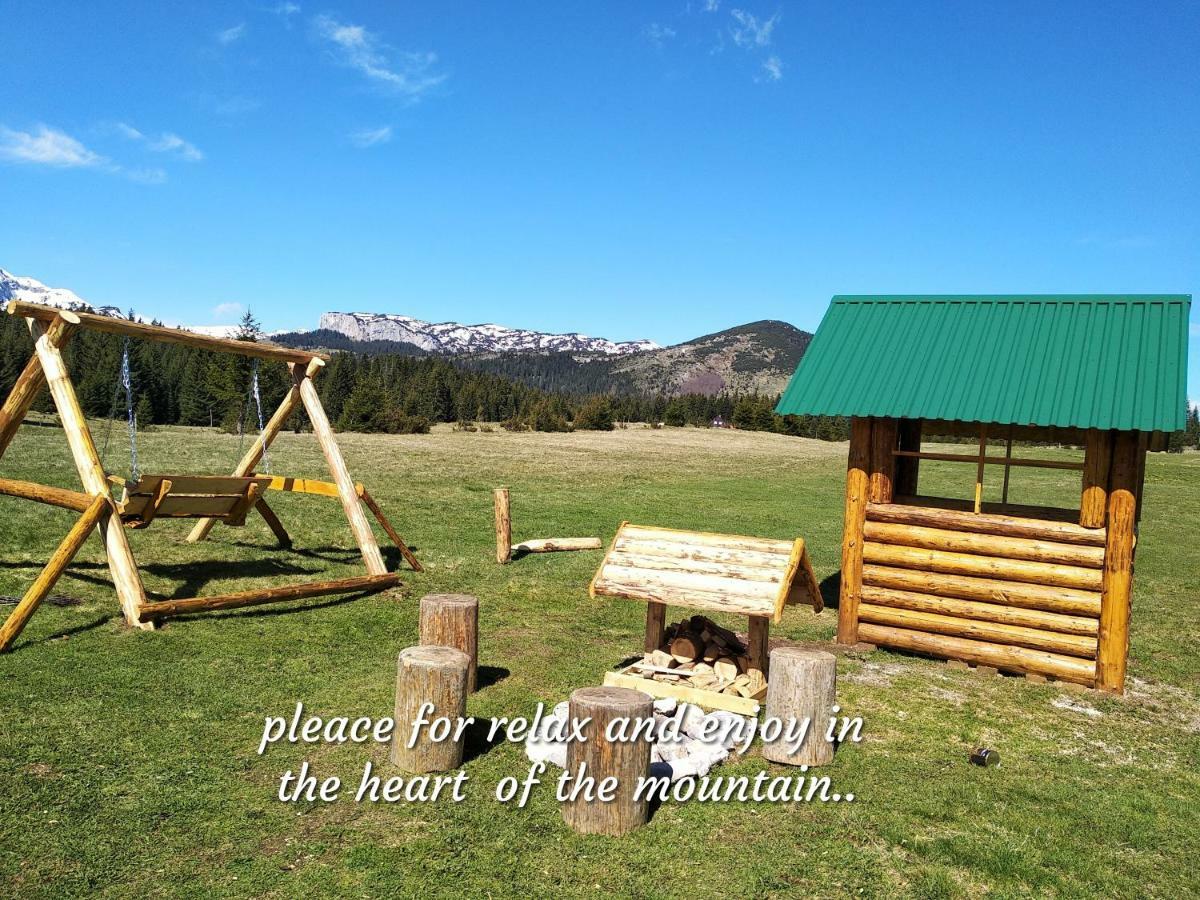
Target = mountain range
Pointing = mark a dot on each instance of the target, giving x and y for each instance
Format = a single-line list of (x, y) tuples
[(758, 357)]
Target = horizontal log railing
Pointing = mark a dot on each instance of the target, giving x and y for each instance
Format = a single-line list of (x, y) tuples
[(1007, 461), (1048, 597), (1030, 549), (44, 493), (901, 512)]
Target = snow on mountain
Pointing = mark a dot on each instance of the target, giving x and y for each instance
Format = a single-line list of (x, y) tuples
[(454, 338), (30, 290)]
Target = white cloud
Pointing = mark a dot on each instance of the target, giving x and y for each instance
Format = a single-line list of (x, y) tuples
[(46, 147), (228, 310), (410, 74), (658, 34), (749, 31), (152, 175), (773, 66), (286, 10), (369, 137), (129, 131), (173, 143), (712, 5), (232, 35)]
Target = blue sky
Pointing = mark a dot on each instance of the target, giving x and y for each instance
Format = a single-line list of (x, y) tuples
[(630, 170)]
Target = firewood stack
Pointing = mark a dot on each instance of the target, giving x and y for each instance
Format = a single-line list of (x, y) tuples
[(701, 654)]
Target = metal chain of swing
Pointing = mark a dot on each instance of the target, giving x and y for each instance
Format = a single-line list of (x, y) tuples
[(254, 396), (125, 381)]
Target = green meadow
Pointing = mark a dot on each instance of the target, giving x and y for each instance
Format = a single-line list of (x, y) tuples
[(130, 762)]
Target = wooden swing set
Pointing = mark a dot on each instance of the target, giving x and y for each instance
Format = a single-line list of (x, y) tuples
[(209, 499)]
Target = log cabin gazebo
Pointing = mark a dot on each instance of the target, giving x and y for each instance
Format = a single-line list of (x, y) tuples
[(1028, 589)]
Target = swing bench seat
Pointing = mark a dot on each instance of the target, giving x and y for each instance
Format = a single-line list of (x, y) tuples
[(222, 497)]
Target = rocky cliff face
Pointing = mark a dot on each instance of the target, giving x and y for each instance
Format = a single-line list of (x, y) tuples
[(452, 338)]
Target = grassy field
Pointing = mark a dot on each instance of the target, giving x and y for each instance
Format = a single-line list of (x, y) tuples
[(129, 759)]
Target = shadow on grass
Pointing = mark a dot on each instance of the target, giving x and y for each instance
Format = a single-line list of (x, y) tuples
[(831, 589), (475, 740), (486, 676), (65, 633)]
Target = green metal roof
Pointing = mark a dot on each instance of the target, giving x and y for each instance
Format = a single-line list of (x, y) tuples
[(1082, 360)]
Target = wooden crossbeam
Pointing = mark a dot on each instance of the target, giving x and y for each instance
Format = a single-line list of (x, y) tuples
[(31, 381), (117, 325), (365, 583), (45, 582)]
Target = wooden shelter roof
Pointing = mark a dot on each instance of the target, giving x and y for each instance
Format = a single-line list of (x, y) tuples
[(1084, 361)]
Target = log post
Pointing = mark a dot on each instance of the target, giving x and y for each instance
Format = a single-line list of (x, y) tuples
[(756, 648), (656, 625), (31, 381), (597, 757), (347, 493), (1097, 459), (54, 568), (803, 686), (452, 620), (908, 467), (503, 525), (556, 545), (91, 473), (883, 461), (275, 424), (1113, 650), (852, 528), (436, 675)]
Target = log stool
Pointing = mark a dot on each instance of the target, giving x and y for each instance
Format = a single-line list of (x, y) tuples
[(628, 761), (436, 675), (452, 620), (803, 685)]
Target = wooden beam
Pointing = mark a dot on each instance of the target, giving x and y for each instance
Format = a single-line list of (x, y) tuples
[(857, 486), (275, 424), (387, 527), (45, 582), (1097, 460), (44, 493), (1016, 462), (272, 520), (1115, 593), (31, 381), (341, 476), (365, 583), (979, 469), (556, 545), (883, 461), (985, 523), (91, 473), (117, 325), (908, 467), (656, 624)]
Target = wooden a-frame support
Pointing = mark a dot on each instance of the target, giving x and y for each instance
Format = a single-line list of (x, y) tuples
[(51, 329)]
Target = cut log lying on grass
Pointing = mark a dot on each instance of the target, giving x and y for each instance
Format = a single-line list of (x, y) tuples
[(556, 545)]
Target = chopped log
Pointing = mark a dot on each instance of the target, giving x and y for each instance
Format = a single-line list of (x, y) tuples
[(1004, 657), (944, 561), (1118, 564), (988, 590), (997, 632), (557, 545), (627, 761), (988, 612), (452, 620), (803, 686), (44, 493), (436, 675), (725, 668), (660, 658), (984, 544), (47, 578), (503, 517), (686, 649), (365, 583), (857, 487), (983, 523)]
